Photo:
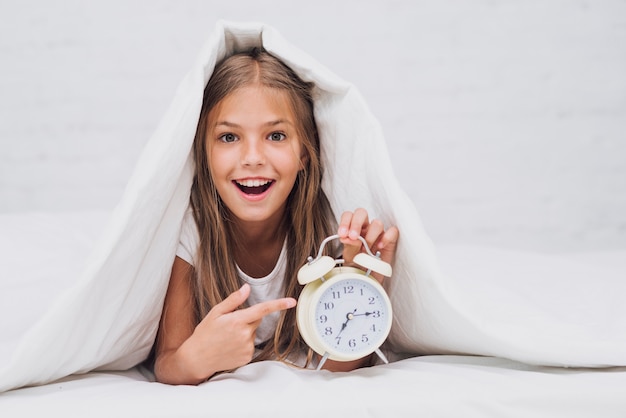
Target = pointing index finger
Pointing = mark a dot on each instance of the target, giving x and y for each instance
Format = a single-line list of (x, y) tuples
[(256, 312)]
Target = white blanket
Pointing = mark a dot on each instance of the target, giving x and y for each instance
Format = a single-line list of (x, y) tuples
[(531, 309), (430, 386)]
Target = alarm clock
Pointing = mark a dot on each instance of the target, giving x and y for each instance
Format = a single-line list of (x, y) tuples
[(344, 313)]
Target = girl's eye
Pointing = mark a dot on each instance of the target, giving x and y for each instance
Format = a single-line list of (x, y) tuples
[(228, 138), (277, 136)]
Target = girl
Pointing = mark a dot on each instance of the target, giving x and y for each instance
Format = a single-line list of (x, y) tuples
[(257, 212)]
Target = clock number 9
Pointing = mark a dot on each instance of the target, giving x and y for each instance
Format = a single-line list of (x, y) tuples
[(323, 319)]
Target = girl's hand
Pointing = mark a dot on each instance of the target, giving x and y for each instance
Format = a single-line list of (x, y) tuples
[(355, 224), (224, 339)]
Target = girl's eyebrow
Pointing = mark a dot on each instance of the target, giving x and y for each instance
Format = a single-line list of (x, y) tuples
[(278, 122), (227, 124), (270, 123)]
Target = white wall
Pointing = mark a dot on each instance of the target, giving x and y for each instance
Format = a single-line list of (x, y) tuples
[(506, 119)]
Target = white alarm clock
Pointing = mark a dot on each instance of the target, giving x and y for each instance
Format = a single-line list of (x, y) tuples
[(343, 313)]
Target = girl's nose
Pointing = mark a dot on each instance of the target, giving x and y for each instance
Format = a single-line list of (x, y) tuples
[(252, 153)]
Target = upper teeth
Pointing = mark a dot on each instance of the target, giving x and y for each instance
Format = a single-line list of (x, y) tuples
[(253, 183)]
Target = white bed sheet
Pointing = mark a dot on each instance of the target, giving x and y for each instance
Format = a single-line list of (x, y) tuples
[(429, 386), (433, 386)]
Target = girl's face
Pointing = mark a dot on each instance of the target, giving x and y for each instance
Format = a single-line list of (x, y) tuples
[(254, 152)]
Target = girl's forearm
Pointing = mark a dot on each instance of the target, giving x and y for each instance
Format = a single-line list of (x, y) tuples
[(172, 367)]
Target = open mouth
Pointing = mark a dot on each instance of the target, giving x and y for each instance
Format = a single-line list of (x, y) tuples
[(253, 187)]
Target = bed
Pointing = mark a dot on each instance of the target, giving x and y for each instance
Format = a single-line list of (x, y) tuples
[(431, 386), (41, 253), (476, 332)]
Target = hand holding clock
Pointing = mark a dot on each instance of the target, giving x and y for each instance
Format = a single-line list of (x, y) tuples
[(355, 224)]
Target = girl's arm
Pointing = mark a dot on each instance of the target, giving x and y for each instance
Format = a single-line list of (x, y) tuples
[(223, 340), (175, 327)]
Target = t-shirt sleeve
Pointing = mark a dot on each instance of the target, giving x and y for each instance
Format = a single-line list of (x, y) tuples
[(189, 239)]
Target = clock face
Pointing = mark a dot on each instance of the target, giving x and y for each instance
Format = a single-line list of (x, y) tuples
[(352, 317)]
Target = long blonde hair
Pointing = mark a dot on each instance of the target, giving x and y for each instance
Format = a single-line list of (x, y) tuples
[(308, 216)]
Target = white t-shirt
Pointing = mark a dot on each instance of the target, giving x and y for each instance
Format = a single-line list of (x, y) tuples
[(261, 289)]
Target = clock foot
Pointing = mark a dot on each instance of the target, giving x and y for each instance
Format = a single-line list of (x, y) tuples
[(382, 356), (322, 361)]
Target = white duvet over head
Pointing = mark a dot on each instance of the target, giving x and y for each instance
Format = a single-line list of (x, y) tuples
[(528, 308)]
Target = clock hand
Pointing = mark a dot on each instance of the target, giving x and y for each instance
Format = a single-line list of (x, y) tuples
[(361, 314), (349, 316)]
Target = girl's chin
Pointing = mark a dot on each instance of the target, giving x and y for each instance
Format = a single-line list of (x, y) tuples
[(248, 218)]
